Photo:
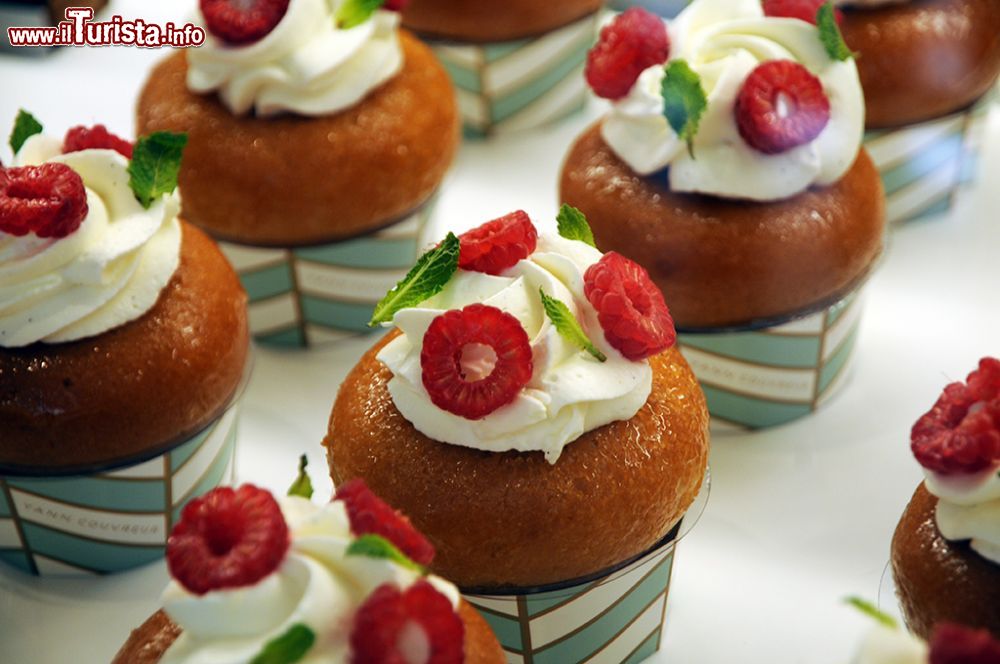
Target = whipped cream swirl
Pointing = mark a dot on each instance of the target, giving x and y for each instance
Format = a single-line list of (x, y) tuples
[(110, 271), (306, 65), (569, 393), (884, 645), (969, 509), (724, 41), (316, 585)]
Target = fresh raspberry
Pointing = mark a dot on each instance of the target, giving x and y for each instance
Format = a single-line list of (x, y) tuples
[(475, 360), (48, 200), (954, 644), (498, 244), (804, 10), (417, 625), (370, 515), (242, 21), (227, 538), (396, 5), (961, 433), (635, 40), (95, 138), (629, 307), (781, 106)]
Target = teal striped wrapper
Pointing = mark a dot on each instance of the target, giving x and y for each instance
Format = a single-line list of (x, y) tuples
[(926, 166), (666, 8), (610, 620), (113, 520), (521, 84), (773, 375), (305, 296)]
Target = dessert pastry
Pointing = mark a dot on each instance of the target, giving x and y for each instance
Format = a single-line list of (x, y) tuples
[(530, 389), (318, 135), (123, 341), (946, 549), (666, 8), (927, 68), (729, 167), (258, 577), (516, 64)]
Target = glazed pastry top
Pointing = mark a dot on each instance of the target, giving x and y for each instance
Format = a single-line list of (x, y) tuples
[(969, 509), (108, 272), (308, 64), (723, 42), (869, 3)]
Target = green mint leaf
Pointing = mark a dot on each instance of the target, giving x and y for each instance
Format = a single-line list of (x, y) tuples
[(568, 326), (869, 609), (25, 126), (355, 12), (684, 100), (376, 546), (573, 225), (302, 486), (829, 33), (290, 647), (156, 160), (426, 279)]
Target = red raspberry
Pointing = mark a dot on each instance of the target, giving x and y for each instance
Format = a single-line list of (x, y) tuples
[(636, 40), (417, 625), (475, 360), (227, 538), (629, 306), (396, 5), (95, 138), (961, 433), (242, 21), (954, 644), (498, 244), (804, 10), (48, 200), (370, 515), (781, 106)]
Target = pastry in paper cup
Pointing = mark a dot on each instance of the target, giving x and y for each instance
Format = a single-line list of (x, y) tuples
[(667, 8), (326, 136), (516, 65)]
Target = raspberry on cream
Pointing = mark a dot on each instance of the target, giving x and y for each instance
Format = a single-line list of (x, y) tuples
[(307, 64), (723, 42), (108, 272)]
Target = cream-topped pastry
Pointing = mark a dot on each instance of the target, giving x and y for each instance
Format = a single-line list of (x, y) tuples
[(109, 271), (312, 62), (723, 42)]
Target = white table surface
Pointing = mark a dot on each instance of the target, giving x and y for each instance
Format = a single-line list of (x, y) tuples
[(799, 517)]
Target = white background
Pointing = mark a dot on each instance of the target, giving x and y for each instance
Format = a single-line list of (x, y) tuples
[(799, 517)]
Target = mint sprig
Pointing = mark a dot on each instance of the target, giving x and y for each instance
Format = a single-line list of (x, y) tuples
[(568, 326), (573, 225), (25, 126), (156, 161), (302, 486), (829, 33), (290, 647), (684, 100), (870, 610), (426, 279), (376, 546), (355, 12)]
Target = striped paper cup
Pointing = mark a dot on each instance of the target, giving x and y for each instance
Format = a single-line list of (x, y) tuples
[(521, 84), (611, 617), (304, 296), (114, 518), (925, 166), (667, 8), (765, 376)]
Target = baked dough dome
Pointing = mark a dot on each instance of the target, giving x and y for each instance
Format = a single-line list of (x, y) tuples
[(488, 21), (135, 389), (925, 58), (940, 580), (294, 180), (513, 519), (721, 262), (148, 643)]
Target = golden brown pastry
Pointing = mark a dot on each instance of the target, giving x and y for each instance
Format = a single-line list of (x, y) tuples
[(483, 21)]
